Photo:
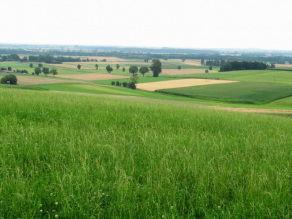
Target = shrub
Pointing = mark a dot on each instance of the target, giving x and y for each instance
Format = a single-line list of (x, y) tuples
[(207, 71), (11, 78), (113, 83)]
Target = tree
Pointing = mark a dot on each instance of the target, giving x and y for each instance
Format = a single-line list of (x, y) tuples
[(118, 83), (124, 69), (272, 65), (113, 83), (79, 66), (109, 69), (46, 70), (133, 69), (54, 72), (206, 71), (11, 78), (118, 66), (40, 65), (9, 68), (183, 59), (96, 66), (24, 59), (37, 71), (179, 67), (31, 65), (210, 67), (143, 70), (156, 67), (202, 61)]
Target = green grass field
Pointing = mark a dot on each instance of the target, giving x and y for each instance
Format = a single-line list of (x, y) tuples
[(238, 92), (78, 156)]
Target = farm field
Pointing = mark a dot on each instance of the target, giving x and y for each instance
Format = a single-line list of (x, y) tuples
[(240, 92), (178, 83), (140, 80), (185, 162), (30, 80), (92, 77), (184, 71)]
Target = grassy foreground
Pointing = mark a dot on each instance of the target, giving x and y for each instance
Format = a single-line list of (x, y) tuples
[(76, 156)]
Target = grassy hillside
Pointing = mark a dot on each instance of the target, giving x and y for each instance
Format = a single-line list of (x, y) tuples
[(78, 156), (238, 92)]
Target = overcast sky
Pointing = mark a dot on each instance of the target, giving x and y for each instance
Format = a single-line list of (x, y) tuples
[(151, 23)]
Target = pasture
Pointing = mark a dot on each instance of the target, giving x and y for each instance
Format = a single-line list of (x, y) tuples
[(84, 156)]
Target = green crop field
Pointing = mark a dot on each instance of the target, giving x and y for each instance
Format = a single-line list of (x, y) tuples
[(83, 156), (238, 92)]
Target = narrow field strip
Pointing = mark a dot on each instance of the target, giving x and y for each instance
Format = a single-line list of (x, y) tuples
[(178, 83)]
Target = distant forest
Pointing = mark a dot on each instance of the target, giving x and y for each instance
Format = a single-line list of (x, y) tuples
[(211, 57)]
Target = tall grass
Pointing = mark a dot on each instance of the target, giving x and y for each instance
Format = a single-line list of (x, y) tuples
[(77, 156)]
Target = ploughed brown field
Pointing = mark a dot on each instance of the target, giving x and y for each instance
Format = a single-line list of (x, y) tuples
[(152, 86), (92, 76)]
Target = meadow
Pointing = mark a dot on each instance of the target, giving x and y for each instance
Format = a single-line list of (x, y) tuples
[(84, 156)]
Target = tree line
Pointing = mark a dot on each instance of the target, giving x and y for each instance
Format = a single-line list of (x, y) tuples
[(233, 66)]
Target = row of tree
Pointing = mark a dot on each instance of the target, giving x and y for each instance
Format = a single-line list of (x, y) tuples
[(17, 70), (45, 70), (233, 66), (155, 68), (131, 84)]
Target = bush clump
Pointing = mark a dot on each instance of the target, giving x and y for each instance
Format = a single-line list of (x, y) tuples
[(132, 85), (125, 84), (11, 78)]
